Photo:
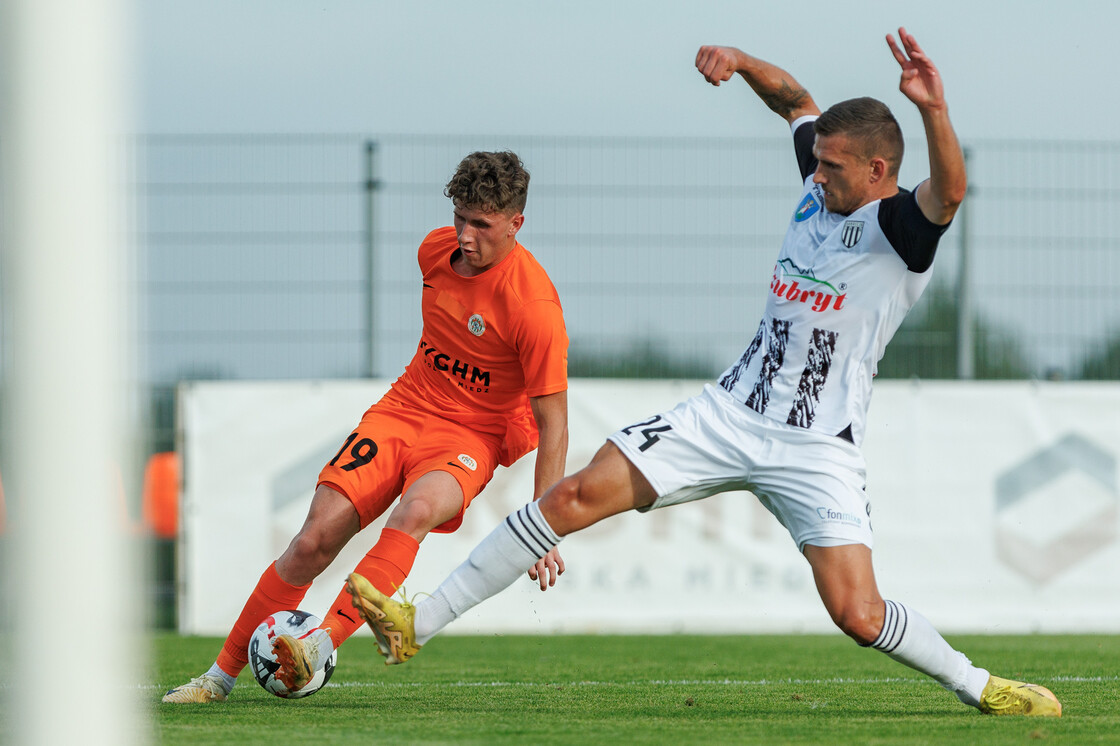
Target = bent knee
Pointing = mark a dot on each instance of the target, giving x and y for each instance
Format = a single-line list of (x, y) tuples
[(860, 623), (565, 506), (310, 549), (566, 497), (415, 514)]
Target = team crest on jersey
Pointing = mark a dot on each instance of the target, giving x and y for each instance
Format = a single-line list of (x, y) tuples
[(476, 325), (468, 462), (806, 209), (852, 232)]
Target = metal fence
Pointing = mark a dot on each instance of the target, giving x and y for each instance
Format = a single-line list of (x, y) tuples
[(294, 256)]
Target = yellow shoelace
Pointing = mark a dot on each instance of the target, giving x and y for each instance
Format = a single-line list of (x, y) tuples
[(1000, 699), (406, 601)]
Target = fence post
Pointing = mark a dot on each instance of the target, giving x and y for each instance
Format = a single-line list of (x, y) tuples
[(966, 363), (371, 185)]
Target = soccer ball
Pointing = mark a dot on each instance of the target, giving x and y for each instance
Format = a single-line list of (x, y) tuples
[(263, 663)]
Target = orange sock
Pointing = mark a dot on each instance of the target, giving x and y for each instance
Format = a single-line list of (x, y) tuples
[(385, 567), (271, 594)]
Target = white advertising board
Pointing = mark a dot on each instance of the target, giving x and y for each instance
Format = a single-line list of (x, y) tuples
[(996, 508)]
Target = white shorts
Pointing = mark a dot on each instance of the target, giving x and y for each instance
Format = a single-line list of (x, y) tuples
[(814, 484)]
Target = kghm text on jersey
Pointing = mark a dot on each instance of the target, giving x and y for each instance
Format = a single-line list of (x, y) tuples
[(472, 378), (816, 297)]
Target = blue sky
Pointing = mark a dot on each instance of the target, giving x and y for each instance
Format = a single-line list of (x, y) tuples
[(610, 67)]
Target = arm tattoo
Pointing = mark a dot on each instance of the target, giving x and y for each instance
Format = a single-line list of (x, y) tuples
[(785, 100)]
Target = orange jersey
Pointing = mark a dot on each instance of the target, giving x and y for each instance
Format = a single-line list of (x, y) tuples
[(489, 343)]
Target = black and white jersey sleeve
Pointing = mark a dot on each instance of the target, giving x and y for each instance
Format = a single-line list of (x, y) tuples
[(803, 137), (913, 236)]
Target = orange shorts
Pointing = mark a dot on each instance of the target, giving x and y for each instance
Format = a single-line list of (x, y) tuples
[(394, 446)]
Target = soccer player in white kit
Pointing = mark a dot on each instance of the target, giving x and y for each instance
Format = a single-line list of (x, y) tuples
[(786, 420)]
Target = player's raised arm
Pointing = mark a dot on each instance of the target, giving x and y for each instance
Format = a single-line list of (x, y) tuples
[(942, 194), (776, 87)]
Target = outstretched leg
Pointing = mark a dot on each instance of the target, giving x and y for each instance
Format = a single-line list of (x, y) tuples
[(846, 583), (608, 485)]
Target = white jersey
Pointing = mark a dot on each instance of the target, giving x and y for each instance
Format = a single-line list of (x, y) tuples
[(840, 289)]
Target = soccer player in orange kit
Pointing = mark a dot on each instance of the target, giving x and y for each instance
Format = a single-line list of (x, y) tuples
[(488, 384)]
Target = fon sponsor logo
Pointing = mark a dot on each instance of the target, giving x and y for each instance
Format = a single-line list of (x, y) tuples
[(836, 516)]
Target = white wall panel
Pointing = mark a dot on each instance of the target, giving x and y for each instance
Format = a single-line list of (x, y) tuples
[(995, 507)]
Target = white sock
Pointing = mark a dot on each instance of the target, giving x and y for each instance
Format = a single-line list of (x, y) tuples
[(512, 548), (226, 680), (323, 648), (910, 639)]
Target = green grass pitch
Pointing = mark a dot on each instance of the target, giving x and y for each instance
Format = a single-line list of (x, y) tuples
[(758, 689)]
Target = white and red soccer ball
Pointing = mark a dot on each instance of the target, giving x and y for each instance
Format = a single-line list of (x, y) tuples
[(262, 662)]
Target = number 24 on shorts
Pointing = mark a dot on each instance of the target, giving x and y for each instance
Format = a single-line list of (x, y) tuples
[(362, 452), (648, 431)]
